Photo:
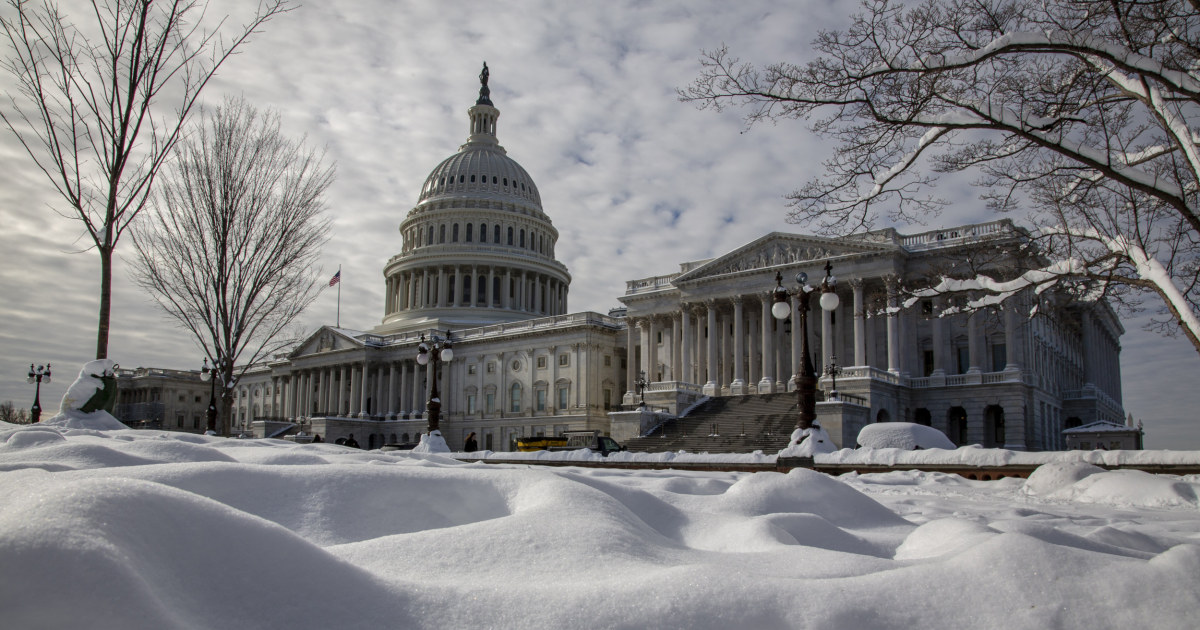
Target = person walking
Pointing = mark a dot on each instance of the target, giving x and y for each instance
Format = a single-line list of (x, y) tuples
[(470, 445)]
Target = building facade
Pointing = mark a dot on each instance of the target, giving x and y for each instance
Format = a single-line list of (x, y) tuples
[(477, 267), (156, 398), (993, 376)]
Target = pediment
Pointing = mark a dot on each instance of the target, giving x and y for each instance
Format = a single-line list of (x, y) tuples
[(326, 339), (778, 249)]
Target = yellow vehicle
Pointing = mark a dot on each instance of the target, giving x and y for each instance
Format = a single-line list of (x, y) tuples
[(570, 441)]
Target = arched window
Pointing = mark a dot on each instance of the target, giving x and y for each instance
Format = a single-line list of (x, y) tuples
[(429, 236), (442, 234), (466, 296), (472, 179), (522, 238), (454, 234), (514, 398), (481, 290), (496, 291), (496, 234), (510, 235), (470, 228), (482, 232), (956, 421)]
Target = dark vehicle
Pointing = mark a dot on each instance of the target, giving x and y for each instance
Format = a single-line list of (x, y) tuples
[(571, 441)]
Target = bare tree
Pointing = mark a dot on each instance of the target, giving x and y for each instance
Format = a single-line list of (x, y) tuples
[(9, 413), (1082, 113), (230, 247), (89, 102)]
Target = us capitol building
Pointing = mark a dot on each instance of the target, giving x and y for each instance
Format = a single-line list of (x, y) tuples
[(477, 266)]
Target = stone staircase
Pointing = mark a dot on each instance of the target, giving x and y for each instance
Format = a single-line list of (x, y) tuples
[(729, 424)]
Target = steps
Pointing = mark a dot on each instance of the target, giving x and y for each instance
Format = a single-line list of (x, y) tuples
[(729, 424)]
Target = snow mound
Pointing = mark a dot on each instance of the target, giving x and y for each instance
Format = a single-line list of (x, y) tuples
[(1047, 479), (95, 421), (1132, 489), (431, 442), (808, 443), (903, 435), (121, 539), (943, 537)]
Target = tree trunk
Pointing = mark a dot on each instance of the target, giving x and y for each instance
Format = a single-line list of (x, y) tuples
[(105, 302)]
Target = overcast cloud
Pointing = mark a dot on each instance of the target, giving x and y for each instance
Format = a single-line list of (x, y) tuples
[(635, 181)]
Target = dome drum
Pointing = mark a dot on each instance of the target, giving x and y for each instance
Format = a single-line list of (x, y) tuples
[(477, 248)]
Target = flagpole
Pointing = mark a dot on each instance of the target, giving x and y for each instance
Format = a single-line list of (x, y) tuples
[(339, 302)]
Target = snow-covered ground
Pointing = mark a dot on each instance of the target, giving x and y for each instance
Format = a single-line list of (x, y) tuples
[(140, 529)]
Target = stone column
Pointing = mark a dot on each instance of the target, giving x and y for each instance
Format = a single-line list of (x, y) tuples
[(860, 323), (893, 324), (974, 341), (402, 398), (938, 327), (676, 347), (354, 389), (738, 386), (362, 401), (630, 360), (686, 374), (712, 387), (767, 384), (391, 392), (752, 339), (1010, 335), (652, 344)]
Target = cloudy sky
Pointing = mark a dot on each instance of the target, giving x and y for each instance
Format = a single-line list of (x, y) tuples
[(634, 180)]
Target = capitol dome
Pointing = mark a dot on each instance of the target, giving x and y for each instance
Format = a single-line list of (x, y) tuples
[(477, 248)]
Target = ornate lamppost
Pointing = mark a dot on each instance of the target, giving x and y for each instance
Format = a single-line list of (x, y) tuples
[(641, 384), (439, 350), (211, 375), (829, 302), (36, 376), (806, 379)]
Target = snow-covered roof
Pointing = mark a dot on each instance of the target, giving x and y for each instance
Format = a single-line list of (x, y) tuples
[(1102, 426)]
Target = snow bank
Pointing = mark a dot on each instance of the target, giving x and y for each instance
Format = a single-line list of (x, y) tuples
[(903, 435), (141, 529)]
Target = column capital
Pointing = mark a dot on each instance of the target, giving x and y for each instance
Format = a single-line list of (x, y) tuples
[(855, 283)]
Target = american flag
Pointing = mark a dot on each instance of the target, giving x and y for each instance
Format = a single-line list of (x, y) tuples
[(337, 277)]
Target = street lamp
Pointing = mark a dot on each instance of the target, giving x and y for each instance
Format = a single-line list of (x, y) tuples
[(439, 350), (211, 375), (36, 376), (829, 302), (806, 379), (641, 383)]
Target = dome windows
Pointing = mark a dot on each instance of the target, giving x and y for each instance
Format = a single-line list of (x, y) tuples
[(482, 232), (472, 178)]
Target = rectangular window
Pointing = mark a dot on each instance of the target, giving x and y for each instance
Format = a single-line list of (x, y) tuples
[(491, 367), (607, 399), (471, 404), (541, 362), (196, 421), (490, 402), (999, 357), (927, 362), (607, 360), (471, 369), (541, 400), (515, 403), (964, 359), (562, 397), (564, 359)]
